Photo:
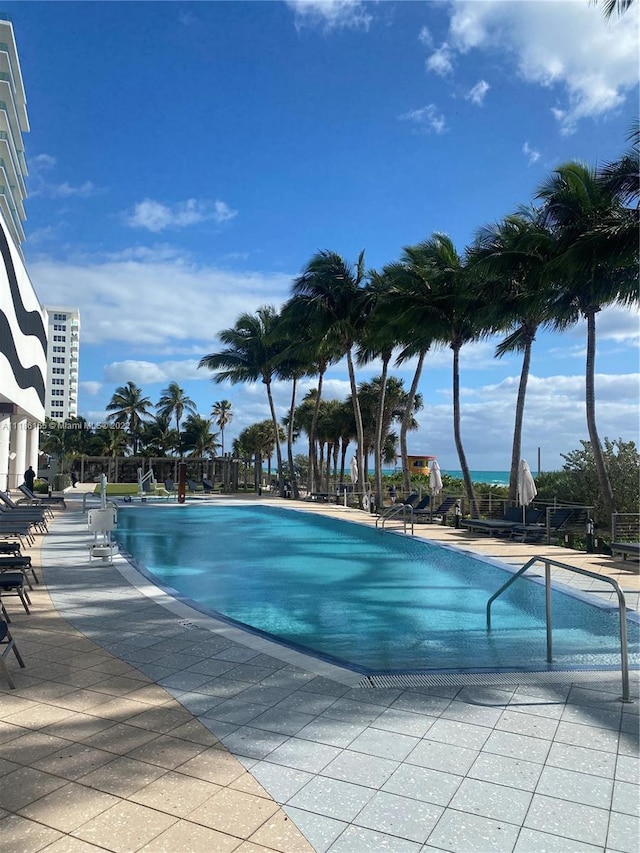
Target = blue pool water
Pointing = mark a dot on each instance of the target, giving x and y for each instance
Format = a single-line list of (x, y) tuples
[(378, 603)]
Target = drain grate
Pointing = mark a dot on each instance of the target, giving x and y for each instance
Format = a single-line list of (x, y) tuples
[(489, 679)]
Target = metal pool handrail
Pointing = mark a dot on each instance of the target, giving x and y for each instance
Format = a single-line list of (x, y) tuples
[(393, 512), (622, 609)]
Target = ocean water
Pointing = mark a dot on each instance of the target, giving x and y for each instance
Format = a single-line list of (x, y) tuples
[(494, 478)]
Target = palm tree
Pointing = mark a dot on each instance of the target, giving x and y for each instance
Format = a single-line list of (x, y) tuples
[(222, 415), (174, 402), (198, 437), (158, 437), (611, 6), (249, 355), (510, 258), (315, 348), (575, 204), (619, 229), (418, 324), (337, 304), (129, 407), (378, 340), (458, 317)]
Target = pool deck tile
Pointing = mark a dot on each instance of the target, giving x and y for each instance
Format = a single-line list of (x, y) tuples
[(199, 737)]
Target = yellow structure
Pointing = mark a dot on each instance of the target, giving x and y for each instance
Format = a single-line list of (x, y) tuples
[(419, 464)]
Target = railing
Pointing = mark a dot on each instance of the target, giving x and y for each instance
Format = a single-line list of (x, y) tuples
[(622, 608), (393, 512), (625, 526)]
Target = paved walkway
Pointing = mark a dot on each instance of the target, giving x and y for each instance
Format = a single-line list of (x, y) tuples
[(142, 726)]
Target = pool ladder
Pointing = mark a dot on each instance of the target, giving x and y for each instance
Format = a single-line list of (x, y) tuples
[(394, 512), (622, 609)]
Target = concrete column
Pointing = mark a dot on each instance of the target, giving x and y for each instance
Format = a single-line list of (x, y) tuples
[(18, 464), (5, 449), (33, 442)]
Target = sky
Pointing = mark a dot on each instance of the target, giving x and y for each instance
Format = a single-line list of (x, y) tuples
[(186, 160)]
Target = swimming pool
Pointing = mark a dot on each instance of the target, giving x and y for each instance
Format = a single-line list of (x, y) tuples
[(376, 603)]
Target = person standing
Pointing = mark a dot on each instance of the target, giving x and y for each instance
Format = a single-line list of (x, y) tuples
[(29, 478), (74, 478)]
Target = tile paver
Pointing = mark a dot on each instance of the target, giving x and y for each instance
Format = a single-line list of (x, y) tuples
[(96, 753)]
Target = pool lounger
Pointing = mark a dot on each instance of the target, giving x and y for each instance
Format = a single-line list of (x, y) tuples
[(512, 518), (626, 548)]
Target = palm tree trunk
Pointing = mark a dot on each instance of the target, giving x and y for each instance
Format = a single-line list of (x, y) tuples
[(406, 420), (456, 432), (359, 427), (596, 448), (313, 456), (292, 473), (516, 449), (274, 418), (377, 458)]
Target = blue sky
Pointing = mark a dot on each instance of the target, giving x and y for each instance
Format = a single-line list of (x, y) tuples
[(187, 159)]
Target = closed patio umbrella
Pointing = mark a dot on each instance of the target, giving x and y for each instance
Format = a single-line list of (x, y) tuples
[(526, 487), (354, 470), (435, 478)]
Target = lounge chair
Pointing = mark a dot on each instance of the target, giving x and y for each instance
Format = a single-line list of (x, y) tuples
[(21, 564), (192, 485), (43, 500), (18, 517), (512, 518), (439, 512), (8, 644), (12, 583), (625, 548), (423, 507), (390, 510), (17, 530), (558, 520), (37, 511), (208, 487), (10, 548)]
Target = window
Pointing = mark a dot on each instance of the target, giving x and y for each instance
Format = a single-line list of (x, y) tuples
[(57, 360), (59, 317), (58, 370), (59, 349), (60, 338), (58, 327), (57, 381)]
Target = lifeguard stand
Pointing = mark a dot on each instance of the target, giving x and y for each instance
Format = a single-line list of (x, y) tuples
[(101, 522), (419, 464)]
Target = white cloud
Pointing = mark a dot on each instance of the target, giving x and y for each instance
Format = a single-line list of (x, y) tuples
[(41, 162), (154, 299), (477, 93), (554, 419), (441, 61), (149, 373), (66, 190), (90, 387), (425, 37), (618, 324), (331, 14), (39, 185), (532, 154), (155, 216), (591, 64), (426, 119)]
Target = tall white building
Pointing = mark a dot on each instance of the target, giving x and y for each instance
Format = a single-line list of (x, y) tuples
[(63, 333), (23, 340)]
